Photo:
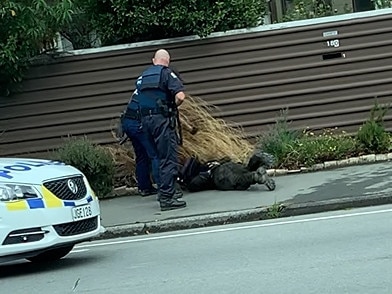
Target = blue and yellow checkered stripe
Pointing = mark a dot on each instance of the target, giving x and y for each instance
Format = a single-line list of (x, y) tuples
[(48, 200)]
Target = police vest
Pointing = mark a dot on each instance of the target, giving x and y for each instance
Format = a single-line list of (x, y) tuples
[(149, 88)]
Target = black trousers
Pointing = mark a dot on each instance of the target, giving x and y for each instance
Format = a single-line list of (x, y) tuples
[(232, 176), (165, 139)]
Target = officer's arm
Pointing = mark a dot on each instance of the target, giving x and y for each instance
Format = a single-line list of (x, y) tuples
[(176, 88)]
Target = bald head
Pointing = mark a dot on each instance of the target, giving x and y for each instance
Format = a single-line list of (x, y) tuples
[(161, 57)]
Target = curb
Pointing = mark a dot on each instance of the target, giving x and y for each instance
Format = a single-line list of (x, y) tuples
[(247, 215)]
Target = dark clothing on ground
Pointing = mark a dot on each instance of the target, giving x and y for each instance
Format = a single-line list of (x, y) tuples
[(222, 176), (225, 175), (232, 176)]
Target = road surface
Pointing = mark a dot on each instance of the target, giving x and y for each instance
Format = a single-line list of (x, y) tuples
[(337, 252)]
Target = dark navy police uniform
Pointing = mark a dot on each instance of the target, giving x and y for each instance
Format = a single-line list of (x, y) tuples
[(145, 152), (153, 103)]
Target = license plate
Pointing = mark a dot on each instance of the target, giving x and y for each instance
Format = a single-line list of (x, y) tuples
[(82, 212)]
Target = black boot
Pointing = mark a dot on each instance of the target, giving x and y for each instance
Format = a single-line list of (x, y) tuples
[(145, 193), (261, 177), (177, 195), (260, 158), (172, 204)]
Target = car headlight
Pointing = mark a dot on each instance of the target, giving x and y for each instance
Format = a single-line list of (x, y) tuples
[(9, 192)]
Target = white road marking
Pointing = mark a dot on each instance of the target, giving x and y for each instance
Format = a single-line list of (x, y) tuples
[(79, 250), (279, 223)]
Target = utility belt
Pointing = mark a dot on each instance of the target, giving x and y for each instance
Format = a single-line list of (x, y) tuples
[(138, 114), (164, 109)]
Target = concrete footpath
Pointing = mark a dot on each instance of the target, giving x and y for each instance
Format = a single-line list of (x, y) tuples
[(311, 192)]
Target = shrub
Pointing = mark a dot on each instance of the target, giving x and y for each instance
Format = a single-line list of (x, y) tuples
[(94, 161), (279, 140), (308, 9), (293, 150), (311, 149), (27, 28), (372, 134), (127, 21)]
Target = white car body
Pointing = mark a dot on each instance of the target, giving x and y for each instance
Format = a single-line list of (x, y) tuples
[(64, 211)]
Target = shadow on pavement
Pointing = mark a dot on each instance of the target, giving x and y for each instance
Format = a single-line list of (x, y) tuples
[(24, 267)]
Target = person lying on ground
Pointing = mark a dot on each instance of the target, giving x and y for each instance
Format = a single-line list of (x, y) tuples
[(226, 175)]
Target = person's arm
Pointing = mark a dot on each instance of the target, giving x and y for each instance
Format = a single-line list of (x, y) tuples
[(176, 88)]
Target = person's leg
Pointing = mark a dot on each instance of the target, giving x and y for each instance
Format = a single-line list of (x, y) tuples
[(142, 168), (232, 176), (235, 176), (245, 179), (132, 129), (261, 177), (151, 151), (166, 145)]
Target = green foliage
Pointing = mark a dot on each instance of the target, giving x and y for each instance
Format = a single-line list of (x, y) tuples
[(381, 4), (27, 28), (275, 210), (79, 31), (279, 139), (126, 21), (311, 149), (293, 150), (94, 161), (372, 134), (306, 9)]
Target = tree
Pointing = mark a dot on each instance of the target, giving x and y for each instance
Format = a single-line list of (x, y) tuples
[(27, 29), (127, 21)]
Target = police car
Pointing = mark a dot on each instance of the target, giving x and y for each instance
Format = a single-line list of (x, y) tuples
[(46, 207)]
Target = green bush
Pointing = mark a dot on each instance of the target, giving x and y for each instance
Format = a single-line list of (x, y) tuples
[(372, 135), (311, 149), (279, 140), (308, 9), (27, 28), (94, 161), (292, 149), (127, 21)]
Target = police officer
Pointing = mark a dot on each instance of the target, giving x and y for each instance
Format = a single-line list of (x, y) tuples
[(154, 103), (146, 157)]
